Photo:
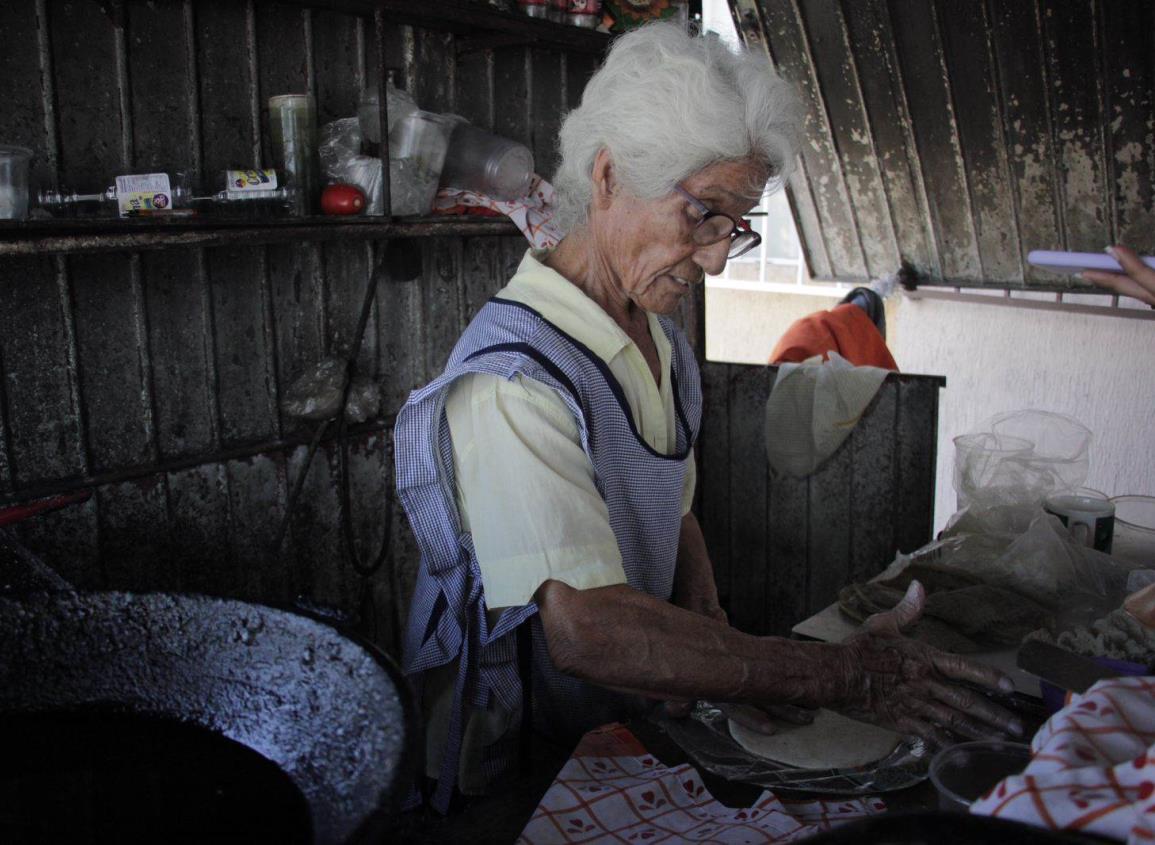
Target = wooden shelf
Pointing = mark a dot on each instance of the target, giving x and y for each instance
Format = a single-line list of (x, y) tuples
[(69, 237), (478, 26), (484, 25)]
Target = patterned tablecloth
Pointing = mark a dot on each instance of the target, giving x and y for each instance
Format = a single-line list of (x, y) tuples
[(1093, 767), (612, 790)]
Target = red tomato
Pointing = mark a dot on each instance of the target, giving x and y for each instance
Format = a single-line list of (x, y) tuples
[(342, 199)]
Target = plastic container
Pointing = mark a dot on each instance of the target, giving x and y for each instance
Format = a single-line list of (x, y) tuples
[(488, 164), (417, 148), (399, 105), (14, 182), (535, 8), (964, 773), (293, 131), (1135, 530)]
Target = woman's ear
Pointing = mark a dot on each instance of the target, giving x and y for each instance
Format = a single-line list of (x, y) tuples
[(604, 178)]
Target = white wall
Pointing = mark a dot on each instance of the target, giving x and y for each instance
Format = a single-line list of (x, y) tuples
[(1097, 369)]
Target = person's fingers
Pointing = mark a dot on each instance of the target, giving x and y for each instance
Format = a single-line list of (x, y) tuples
[(929, 732), (790, 713), (902, 615), (978, 707), (1120, 284), (960, 669), (1134, 266), (955, 721), (749, 717)]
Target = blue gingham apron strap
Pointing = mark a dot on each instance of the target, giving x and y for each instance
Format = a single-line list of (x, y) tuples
[(451, 754)]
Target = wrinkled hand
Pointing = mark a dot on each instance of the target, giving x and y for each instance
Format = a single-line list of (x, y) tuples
[(912, 688), (1138, 283)]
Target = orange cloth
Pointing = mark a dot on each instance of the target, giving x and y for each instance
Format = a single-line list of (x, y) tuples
[(846, 329)]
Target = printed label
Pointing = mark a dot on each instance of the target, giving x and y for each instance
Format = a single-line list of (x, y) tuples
[(143, 192), (250, 180)]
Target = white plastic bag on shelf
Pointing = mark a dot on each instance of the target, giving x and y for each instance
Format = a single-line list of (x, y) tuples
[(1020, 457)]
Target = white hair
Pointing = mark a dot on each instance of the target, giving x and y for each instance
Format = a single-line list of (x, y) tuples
[(666, 104)]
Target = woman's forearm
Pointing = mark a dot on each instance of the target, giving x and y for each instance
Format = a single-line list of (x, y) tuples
[(621, 638)]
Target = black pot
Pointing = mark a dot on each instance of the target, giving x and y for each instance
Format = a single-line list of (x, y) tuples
[(332, 714)]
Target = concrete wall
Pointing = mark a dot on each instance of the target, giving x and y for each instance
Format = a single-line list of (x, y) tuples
[(1098, 369)]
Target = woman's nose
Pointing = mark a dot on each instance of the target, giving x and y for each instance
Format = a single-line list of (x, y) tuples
[(712, 258)]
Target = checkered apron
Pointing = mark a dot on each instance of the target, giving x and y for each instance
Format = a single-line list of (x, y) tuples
[(642, 489)]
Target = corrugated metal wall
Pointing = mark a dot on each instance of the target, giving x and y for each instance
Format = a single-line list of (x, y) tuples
[(958, 135), (156, 377), (783, 547)]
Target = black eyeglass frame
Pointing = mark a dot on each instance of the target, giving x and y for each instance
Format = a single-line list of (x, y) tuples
[(742, 237)]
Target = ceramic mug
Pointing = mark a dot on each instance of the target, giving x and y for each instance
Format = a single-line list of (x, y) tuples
[(1090, 520)]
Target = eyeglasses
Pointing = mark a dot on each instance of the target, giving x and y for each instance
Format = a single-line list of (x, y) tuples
[(715, 225)]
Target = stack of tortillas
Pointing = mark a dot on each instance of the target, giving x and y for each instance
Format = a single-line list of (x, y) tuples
[(831, 741)]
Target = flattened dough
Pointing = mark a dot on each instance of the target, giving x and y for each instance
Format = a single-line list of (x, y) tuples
[(831, 741)]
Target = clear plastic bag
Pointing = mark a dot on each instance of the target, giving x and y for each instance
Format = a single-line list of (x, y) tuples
[(317, 394), (705, 736), (340, 142), (1020, 458)]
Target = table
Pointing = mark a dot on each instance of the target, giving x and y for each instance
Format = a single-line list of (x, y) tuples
[(498, 819)]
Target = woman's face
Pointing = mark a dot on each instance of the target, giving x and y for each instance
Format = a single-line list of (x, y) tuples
[(649, 245)]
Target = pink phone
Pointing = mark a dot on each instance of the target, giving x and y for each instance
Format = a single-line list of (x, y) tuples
[(1076, 262)]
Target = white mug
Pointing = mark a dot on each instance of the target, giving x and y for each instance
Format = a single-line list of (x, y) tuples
[(1090, 520)]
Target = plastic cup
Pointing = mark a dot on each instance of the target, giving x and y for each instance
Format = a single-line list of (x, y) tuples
[(487, 164), (14, 182), (1135, 530), (417, 148), (293, 131), (964, 773)]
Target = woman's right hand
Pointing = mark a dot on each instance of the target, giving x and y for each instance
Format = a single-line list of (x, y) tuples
[(1139, 281)]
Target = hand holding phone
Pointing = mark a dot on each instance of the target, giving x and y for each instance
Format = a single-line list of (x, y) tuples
[(1119, 269)]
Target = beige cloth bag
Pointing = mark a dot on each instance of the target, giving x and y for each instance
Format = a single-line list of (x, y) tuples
[(813, 408)]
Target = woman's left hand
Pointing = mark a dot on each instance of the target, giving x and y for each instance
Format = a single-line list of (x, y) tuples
[(1139, 281)]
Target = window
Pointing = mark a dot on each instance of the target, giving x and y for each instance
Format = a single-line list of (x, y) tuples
[(778, 265)]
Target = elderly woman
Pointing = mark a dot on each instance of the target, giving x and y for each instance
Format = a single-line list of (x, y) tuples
[(548, 473)]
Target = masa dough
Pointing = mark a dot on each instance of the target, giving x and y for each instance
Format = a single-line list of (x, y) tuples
[(831, 741)]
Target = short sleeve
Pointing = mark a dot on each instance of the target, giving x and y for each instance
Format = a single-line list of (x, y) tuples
[(526, 490)]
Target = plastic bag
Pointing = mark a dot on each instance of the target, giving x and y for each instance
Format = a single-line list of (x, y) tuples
[(342, 162), (316, 395), (1020, 458), (705, 737), (1025, 549), (812, 408), (340, 142)]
